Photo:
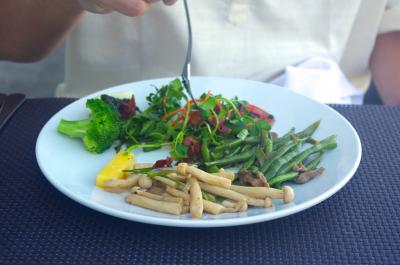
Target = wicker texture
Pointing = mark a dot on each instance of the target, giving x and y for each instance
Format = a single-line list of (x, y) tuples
[(358, 225)]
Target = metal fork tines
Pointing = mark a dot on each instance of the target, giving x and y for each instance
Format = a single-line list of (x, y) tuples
[(186, 67)]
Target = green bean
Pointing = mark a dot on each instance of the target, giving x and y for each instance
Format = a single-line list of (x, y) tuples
[(264, 138), (235, 151), (254, 169), (246, 147), (302, 135), (279, 162), (146, 126), (152, 148), (252, 140), (139, 170), (286, 137), (315, 162), (244, 156), (327, 143), (228, 145), (278, 145), (281, 178), (266, 141), (261, 157), (162, 173), (312, 141), (217, 155), (269, 145), (205, 153), (237, 142), (278, 153), (248, 163), (307, 132)]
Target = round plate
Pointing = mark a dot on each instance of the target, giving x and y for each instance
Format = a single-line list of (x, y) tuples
[(72, 170)]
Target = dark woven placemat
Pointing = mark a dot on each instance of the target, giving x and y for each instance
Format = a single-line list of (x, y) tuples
[(358, 225)]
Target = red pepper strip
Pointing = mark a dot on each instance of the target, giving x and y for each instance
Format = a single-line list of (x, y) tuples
[(166, 116), (183, 110), (191, 102), (260, 113)]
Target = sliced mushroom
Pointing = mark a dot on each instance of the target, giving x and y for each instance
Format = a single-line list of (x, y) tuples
[(253, 179), (309, 175)]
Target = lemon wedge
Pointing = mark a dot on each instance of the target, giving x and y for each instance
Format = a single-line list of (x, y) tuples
[(114, 169)]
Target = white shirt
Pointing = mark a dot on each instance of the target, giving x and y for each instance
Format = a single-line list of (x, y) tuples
[(252, 39)]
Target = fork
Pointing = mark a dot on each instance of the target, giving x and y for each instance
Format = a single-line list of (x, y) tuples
[(10, 105), (186, 67), (2, 98)]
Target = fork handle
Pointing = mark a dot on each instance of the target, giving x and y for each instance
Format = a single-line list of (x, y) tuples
[(11, 104)]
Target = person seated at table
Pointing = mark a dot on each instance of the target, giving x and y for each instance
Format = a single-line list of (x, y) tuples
[(328, 50)]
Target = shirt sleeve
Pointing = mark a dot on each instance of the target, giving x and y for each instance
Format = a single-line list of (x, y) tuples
[(391, 17)]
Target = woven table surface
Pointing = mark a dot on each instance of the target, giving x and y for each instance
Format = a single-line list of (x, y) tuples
[(358, 225)]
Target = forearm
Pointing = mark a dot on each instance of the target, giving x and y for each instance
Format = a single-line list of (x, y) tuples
[(385, 67), (30, 29)]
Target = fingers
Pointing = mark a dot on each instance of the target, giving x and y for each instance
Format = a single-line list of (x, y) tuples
[(130, 8), (94, 7), (169, 2)]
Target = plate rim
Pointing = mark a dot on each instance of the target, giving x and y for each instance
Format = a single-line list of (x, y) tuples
[(189, 223)]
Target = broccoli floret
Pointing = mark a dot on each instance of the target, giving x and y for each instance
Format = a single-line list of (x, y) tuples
[(99, 131)]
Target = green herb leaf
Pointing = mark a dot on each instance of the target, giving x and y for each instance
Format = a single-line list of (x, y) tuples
[(167, 98), (179, 152)]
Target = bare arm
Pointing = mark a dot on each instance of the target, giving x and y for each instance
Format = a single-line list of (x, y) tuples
[(385, 67), (30, 29)]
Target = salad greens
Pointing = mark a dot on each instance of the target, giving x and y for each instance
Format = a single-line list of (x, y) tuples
[(218, 132)]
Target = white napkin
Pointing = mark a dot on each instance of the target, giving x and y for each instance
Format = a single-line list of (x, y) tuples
[(321, 79)]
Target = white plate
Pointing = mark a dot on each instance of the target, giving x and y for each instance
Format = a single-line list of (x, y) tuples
[(72, 170)]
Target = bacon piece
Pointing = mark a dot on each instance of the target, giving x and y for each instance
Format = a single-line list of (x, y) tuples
[(167, 162)]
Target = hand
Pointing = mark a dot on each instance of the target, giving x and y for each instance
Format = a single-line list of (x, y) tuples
[(130, 8)]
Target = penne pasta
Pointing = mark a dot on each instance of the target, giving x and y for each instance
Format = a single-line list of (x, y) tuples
[(258, 192), (177, 193), (233, 195), (158, 197), (159, 206), (196, 199), (201, 175), (176, 176), (225, 174)]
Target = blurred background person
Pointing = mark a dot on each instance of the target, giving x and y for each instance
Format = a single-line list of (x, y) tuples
[(329, 50)]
